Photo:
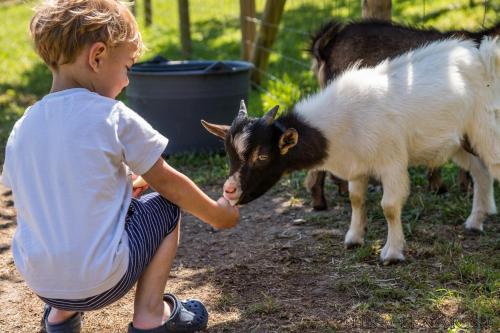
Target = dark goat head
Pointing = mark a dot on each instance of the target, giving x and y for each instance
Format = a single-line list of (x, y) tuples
[(257, 150)]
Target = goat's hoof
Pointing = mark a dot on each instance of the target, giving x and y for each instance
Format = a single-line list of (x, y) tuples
[(353, 240), (392, 261), (474, 224), (471, 231), (318, 201), (390, 256), (352, 245), (320, 207)]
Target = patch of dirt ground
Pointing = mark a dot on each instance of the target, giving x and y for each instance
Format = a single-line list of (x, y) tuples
[(274, 272)]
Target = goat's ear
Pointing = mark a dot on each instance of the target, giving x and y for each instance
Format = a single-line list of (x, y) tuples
[(217, 130), (288, 140), (269, 116)]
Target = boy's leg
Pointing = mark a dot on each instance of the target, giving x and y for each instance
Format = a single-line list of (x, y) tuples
[(57, 316), (73, 324), (149, 308)]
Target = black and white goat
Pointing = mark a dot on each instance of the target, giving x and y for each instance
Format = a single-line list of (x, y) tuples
[(337, 46), (415, 109)]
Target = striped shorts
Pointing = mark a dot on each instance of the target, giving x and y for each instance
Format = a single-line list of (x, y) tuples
[(149, 220)]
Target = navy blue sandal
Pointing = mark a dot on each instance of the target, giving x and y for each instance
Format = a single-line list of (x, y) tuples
[(70, 325), (186, 317)]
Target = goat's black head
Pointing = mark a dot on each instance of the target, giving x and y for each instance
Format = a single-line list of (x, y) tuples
[(257, 149)]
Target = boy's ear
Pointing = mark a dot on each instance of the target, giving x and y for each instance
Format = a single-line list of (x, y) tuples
[(96, 54), (288, 140)]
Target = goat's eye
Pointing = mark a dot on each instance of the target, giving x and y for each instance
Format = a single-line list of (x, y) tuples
[(262, 157)]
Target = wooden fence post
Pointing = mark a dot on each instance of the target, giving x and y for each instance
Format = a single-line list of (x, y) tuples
[(148, 13), (265, 38), (378, 9), (184, 27), (247, 11), (132, 8)]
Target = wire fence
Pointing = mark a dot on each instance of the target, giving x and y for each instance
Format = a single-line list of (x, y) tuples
[(216, 34)]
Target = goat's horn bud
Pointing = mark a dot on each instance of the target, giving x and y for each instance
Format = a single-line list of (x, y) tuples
[(243, 109), (269, 117)]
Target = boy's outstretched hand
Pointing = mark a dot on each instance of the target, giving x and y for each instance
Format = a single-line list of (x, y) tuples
[(182, 191), (229, 215)]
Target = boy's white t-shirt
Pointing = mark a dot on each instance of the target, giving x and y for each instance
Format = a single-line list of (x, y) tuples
[(67, 162)]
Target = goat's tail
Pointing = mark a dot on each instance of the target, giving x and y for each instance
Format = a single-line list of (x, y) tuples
[(485, 135), (489, 52)]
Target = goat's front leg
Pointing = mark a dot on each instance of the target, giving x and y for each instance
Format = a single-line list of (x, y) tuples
[(396, 188), (483, 202), (357, 194)]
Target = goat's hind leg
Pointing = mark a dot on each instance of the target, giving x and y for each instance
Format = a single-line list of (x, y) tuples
[(484, 138), (343, 186), (396, 188), (315, 183), (357, 195), (483, 202), (436, 181)]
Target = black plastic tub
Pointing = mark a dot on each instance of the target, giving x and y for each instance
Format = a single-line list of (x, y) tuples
[(173, 96)]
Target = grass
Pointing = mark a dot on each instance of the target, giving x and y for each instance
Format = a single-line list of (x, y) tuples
[(267, 306), (450, 277)]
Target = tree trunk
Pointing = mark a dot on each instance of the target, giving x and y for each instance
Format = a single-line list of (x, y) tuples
[(247, 12), (148, 13), (184, 28), (265, 38)]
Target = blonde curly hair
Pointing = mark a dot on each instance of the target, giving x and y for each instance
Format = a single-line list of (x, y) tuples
[(60, 29)]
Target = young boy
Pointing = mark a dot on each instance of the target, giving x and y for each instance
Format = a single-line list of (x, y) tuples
[(82, 241)]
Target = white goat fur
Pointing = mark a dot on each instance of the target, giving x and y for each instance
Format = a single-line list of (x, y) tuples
[(412, 110)]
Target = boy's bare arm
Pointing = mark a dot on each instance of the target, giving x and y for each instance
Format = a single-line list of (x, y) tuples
[(183, 192)]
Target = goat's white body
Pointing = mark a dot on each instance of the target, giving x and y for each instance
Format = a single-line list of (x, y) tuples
[(412, 110)]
